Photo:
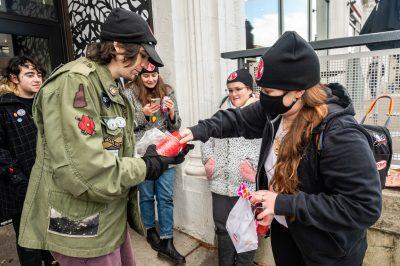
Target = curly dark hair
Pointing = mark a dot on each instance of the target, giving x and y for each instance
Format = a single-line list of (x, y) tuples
[(14, 68), (15, 64)]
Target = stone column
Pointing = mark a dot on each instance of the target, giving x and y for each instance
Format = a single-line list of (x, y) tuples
[(191, 35)]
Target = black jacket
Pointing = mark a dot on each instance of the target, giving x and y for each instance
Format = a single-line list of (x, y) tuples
[(18, 135), (384, 17), (340, 194)]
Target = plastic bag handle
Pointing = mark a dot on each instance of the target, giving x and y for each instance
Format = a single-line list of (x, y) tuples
[(372, 106)]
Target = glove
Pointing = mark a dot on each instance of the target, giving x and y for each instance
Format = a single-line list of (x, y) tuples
[(157, 164), (209, 167)]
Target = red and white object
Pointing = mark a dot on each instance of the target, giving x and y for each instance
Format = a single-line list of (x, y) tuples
[(169, 146)]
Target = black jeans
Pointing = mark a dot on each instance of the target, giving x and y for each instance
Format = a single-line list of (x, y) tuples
[(285, 250), (227, 256), (27, 256)]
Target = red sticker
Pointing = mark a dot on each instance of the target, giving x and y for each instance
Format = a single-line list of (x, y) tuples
[(87, 125), (381, 165), (232, 76), (151, 67), (260, 69)]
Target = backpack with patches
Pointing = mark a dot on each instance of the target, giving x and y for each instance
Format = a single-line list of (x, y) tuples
[(382, 141)]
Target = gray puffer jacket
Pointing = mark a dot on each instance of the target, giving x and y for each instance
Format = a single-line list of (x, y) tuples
[(228, 154)]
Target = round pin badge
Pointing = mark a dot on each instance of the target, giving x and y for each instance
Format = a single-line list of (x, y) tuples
[(112, 124), (120, 121), (260, 69), (153, 119), (151, 67), (113, 91), (19, 120), (232, 76), (21, 112)]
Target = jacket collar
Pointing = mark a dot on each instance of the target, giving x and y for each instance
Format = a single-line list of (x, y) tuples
[(111, 87), (8, 99)]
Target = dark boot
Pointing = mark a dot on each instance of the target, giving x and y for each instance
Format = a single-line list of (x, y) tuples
[(153, 238), (167, 250)]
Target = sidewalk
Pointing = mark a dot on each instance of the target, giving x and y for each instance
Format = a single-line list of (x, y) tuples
[(192, 249)]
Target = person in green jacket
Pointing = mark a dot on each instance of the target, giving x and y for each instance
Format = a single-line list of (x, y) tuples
[(85, 175)]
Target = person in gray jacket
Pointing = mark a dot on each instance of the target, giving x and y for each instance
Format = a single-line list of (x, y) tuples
[(229, 162)]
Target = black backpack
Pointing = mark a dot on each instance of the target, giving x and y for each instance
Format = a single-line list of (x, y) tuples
[(381, 141)]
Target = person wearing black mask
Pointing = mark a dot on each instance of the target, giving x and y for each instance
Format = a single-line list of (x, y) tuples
[(316, 177)]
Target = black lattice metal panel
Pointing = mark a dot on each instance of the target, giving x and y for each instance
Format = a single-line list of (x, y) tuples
[(86, 17)]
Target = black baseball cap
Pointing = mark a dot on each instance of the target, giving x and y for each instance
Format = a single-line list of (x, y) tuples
[(126, 26)]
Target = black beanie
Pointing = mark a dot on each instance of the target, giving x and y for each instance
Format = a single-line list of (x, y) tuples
[(290, 64), (241, 75), (150, 69)]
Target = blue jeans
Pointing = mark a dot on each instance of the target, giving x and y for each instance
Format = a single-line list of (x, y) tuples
[(163, 189)]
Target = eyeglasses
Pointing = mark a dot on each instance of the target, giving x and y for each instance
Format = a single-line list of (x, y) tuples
[(238, 89)]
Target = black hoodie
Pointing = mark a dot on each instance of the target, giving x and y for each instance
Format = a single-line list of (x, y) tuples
[(18, 136), (340, 195)]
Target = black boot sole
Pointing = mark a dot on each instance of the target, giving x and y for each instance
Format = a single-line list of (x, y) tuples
[(165, 256)]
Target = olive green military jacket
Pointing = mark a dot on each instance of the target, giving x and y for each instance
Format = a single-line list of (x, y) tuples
[(78, 191)]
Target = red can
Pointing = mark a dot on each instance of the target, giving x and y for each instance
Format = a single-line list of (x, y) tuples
[(169, 146), (262, 230), (163, 107)]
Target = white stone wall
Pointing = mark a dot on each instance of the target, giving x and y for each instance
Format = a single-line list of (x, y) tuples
[(191, 35)]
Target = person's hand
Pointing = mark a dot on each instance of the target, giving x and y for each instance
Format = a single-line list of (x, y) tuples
[(209, 167), (150, 109), (157, 164), (267, 198), (186, 135), (169, 104), (171, 107), (247, 171)]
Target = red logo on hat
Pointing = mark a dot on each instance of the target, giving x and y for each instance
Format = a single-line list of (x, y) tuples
[(151, 67), (232, 76), (260, 69)]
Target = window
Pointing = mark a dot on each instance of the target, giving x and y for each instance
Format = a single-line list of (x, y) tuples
[(295, 17), (262, 22), (266, 20)]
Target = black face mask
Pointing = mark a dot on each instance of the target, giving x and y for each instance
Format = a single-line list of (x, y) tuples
[(273, 105)]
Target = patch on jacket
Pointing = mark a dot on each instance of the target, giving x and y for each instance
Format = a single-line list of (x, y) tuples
[(105, 100), (86, 125), (112, 142), (62, 225), (79, 100)]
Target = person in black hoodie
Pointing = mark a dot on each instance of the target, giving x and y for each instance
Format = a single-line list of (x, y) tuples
[(20, 82), (316, 177)]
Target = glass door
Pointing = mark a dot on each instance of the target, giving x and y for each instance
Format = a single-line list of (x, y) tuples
[(33, 28)]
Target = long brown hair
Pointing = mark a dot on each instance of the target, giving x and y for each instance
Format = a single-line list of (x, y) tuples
[(294, 144), (144, 94)]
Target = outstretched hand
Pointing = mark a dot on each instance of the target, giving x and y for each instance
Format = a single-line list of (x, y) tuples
[(186, 134)]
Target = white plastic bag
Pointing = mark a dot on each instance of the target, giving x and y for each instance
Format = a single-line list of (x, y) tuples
[(241, 226), (151, 136)]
